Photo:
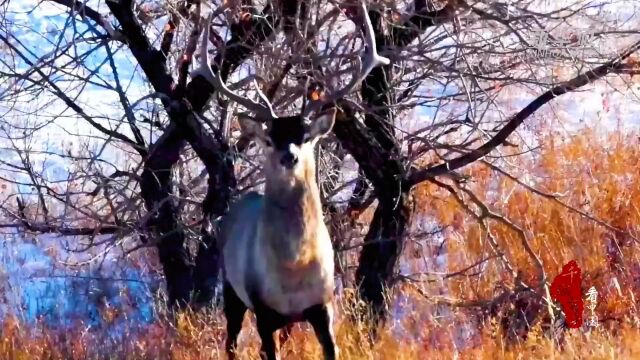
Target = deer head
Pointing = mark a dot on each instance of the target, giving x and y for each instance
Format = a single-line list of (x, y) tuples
[(288, 142)]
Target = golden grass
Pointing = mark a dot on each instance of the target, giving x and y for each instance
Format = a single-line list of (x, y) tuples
[(595, 173), (200, 336)]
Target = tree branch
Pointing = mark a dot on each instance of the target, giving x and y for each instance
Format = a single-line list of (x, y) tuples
[(100, 229), (424, 17), (152, 61), (84, 10), (67, 100), (583, 79)]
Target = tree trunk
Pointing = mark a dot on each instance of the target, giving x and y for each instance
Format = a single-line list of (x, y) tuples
[(216, 203), (384, 169), (382, 249), (156, 190), (384, 240)]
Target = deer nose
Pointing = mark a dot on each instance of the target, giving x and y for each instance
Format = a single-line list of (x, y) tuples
[(288, 160)]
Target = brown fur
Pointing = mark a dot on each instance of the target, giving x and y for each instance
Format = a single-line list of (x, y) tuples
[(298, 213)]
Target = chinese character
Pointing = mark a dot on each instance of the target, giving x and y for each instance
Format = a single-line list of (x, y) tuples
[(541, 43), (592, 298), (584, 40), (541, 40), (592, 322), (592, 294)]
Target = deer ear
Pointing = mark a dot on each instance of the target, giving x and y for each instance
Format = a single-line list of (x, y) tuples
[(322, 124), (252, 128)]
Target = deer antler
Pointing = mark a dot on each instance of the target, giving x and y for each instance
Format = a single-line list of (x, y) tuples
[(364, 64), (263, 111)]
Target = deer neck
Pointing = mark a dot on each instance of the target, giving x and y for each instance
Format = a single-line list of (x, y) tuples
[(291, 218)]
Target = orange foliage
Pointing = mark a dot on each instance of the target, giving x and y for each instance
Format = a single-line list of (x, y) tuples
[(201, 337), (596, 174), (593, 173)]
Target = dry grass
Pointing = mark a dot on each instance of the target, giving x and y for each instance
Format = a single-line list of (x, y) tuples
[(595, 173), (200, 336)]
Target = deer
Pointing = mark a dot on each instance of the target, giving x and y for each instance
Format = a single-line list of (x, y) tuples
[(277, 257)]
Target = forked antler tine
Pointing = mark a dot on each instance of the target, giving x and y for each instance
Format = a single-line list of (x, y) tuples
[(263, 111), (370, 60), (364, 64)]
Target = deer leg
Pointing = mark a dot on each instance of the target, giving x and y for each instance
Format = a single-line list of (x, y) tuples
[(268, 321), (266, 329), (321, 319), (234, 310)]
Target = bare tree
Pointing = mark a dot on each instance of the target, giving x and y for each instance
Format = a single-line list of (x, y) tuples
[(169, 141)]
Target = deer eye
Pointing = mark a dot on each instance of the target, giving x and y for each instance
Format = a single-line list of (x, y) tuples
[(268, 142)]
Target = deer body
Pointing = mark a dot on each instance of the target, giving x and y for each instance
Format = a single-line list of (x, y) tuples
[(280, 248), (276, 251)]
